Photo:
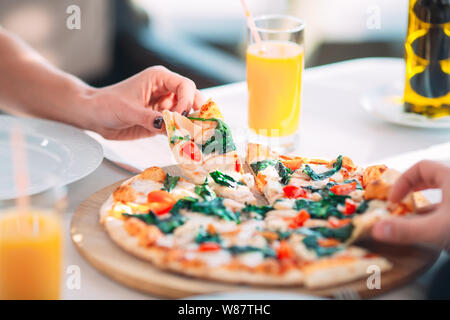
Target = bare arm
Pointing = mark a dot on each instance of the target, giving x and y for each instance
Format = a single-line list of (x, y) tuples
[(130, 109), (31, 85)]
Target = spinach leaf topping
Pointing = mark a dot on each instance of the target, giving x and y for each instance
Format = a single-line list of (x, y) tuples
[(312, 244), (261, 165), (342, 233), (168, 225), (174, 139), (215, 207), (259, 210), (267, 251), (222, 140), (223, 179), (282, 235), (313, 234), (313, 189), (325, 207), (331, 184), (317, 209), (185, 203), (358, 184), (321, 176), (204, 236), (204, 191), (170, 182), (165, 225), (362, 206), (148, 218), (335, 199), (283, 172)]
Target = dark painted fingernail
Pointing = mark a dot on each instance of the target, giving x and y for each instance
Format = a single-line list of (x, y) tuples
[(184, 113), (157, 123)]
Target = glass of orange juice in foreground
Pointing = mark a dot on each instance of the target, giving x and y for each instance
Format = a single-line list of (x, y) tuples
[(31, 241), (274, 73)]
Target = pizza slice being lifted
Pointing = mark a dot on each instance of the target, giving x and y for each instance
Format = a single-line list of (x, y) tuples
[(330, 193), (203, 147)]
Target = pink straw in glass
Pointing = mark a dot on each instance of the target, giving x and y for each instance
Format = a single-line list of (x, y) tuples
[(252, 26)]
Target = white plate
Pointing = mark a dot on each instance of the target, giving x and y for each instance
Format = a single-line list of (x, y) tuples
[(385, 102), (255, 295), (54, 150)]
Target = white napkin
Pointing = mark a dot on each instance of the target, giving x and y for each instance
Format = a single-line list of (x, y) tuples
[(401, 162), (137, 155)]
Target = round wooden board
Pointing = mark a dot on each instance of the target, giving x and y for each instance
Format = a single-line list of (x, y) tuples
[(95, 246)]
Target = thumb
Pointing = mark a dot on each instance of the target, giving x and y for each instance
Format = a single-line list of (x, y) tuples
[(406, 230)]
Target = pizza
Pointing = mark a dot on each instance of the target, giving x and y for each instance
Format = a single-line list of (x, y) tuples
[(202, 145), (302, 233)]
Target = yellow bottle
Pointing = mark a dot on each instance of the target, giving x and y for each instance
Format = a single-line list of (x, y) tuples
[(274, 87), (427, 85), (30, 255)]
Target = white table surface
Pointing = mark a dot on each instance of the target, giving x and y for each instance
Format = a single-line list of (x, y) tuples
[(332, 122)]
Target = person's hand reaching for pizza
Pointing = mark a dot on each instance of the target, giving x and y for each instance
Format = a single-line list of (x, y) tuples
[(132, 108), (127, 110), (433, 224)]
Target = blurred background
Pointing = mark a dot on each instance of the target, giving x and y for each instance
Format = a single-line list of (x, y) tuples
[(201, 39)]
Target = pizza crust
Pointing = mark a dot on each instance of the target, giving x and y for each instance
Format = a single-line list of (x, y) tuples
[(210, 110), (319, 274), (159, 257), (334, 272)]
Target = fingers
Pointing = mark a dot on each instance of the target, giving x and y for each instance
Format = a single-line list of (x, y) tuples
[(199, 100), (169, 102), (165, 81), (405, 230), (423, 175), (166, 102), (185, 95), (431, 226)]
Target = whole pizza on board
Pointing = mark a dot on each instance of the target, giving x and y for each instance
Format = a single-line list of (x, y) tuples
[(211, 226)]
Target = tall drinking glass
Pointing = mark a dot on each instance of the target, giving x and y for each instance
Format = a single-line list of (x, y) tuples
[(274, 74), (31, 242)]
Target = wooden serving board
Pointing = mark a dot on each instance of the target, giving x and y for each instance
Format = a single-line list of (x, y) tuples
[(94, 245)]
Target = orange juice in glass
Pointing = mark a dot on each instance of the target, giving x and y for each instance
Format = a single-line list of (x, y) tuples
[(274, 71), (31, 243)]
